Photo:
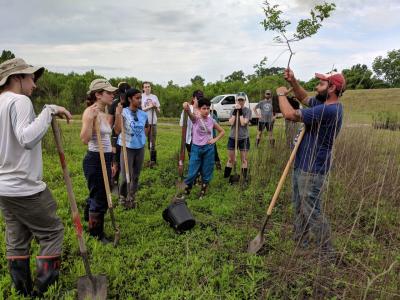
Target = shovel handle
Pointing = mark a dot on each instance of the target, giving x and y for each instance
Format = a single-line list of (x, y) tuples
[(237, 120), (105, 178), (124, 153), (71, 197), (285, 172)]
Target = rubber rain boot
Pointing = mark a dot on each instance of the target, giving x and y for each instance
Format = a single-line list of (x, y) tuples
[(96, 227), (227, 172), (20, 274), (47, 273)]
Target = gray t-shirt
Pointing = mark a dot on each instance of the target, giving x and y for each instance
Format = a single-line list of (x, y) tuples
[(266, 110), (243, 131)]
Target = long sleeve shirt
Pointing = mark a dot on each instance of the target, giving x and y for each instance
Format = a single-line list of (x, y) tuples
[(21, 166)]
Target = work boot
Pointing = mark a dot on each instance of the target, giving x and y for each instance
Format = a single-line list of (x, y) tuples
[(47, 272), (130, 202), (20, 274), (218, 165), (227, 172), (203, 190), (96, 227)]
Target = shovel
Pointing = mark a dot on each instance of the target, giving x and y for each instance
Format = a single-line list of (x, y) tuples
[(125, 154), (180, 185), (235, 177), (256, 244), (89, 286), (117, 233)]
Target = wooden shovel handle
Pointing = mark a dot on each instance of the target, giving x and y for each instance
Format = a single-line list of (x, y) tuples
[(103, 163), (237, 120), (285, 172), (124, 153), (71, 197)]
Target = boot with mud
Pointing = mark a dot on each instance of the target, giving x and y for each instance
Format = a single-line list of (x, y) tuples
[(130, 202), (20, 274), (96, 227)]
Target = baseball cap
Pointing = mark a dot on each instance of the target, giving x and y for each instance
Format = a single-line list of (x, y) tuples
[(101, 84), (198, 94), (335, 78), (241, 95)]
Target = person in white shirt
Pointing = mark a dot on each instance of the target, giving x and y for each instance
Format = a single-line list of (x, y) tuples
[(151, 105), (28, 207)]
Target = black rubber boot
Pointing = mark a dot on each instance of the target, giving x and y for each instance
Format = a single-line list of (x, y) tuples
[(257, 142), (47, 273), (96, 227), (153, 157), (21, 275), (86, 212), (227, 172), (244, 175)]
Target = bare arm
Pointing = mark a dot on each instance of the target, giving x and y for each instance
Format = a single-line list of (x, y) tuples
[(221, 133), (232, 120), (288, 112), (87, 127), (298, 90), (243, 121)]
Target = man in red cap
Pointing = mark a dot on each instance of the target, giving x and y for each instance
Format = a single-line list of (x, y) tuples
[(322, 120)]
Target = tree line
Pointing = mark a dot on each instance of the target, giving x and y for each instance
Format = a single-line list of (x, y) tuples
[(69, 90)]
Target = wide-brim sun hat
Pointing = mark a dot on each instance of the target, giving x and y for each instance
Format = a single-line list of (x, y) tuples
[(101, 84), (18, 66)]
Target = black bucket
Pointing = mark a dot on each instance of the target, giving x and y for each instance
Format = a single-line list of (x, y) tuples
[(178, 216)]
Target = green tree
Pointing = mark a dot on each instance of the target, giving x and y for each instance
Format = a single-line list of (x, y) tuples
[(6, 55), (305, 28), (236, 76), (388, 67), (197, 80), (358, 77)]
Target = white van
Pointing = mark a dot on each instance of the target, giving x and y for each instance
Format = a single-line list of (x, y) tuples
[(224, 105)]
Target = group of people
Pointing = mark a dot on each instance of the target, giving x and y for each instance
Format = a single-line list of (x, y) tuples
[(29, 210)]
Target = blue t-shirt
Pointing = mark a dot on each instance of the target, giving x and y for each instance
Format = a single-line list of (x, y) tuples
[(322, 123), (134, 124)]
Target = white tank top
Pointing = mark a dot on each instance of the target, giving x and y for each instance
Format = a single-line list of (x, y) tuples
[(105, 132)]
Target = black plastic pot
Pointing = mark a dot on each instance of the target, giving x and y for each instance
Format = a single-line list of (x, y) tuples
[(178, 216)]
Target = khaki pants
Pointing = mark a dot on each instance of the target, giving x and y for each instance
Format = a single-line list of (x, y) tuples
[(28, 217)]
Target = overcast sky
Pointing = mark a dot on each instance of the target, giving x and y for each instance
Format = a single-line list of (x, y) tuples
[(162, 40)]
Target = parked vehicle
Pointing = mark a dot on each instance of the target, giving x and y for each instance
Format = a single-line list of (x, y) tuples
[(224, 105)]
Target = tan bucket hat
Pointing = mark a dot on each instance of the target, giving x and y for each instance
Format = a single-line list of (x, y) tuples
[(18, 66), (101, 84)]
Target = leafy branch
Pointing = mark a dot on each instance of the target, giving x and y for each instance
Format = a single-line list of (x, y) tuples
[(305, 28)]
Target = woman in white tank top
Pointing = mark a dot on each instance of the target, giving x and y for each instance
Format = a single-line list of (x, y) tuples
[(100, 94)]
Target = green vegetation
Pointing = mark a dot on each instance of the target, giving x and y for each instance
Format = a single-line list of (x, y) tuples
[(210, 261)]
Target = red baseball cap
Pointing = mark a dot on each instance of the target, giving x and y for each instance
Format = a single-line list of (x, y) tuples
[(335, 78)]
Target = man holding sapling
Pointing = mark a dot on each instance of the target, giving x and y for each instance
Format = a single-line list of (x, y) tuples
[(322, 120)]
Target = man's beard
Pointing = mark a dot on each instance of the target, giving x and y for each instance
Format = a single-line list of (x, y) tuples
[(322, 96)]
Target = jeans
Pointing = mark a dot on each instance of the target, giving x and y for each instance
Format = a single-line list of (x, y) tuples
[(135, 163), (201, 160), (308, 217), (97, 199)]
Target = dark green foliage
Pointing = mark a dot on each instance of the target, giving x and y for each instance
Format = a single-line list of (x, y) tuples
[(388, 67), (6, 55)]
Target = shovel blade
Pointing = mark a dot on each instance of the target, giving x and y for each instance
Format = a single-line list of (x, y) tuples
[(256, 244), (92, 289), (180, 185)]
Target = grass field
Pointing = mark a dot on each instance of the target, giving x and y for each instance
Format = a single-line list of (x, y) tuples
[(210, 261)]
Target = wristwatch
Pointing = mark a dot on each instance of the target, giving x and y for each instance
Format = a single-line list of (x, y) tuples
[(281, 94)]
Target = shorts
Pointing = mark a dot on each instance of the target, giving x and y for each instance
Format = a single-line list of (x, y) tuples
[(243, 144), (269, 126)]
